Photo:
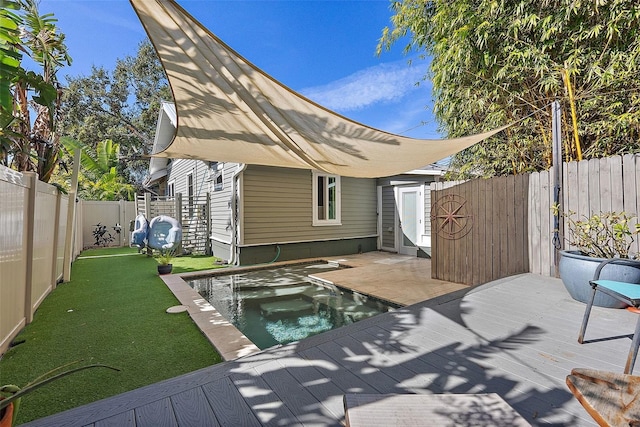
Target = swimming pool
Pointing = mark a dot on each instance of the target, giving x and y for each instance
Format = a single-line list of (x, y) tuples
[(282, 305)]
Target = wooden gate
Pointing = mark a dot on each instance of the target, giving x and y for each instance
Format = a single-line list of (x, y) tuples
[(479, 230)]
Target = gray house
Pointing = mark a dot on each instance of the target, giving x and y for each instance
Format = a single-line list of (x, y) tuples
[(264, 213)]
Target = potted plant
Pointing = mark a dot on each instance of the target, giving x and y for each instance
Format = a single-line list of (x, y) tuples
[(11, 395), (597, 238), (164, 259)]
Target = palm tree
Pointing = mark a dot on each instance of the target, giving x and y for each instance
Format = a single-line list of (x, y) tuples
[(99, 177), (35, 143)]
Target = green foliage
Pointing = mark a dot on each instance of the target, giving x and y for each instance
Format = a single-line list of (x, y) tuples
[(14, 394), (111, 312), (602, 235), (495, 62), (10, 57), (30, 143), (165, 256), (99, 178), (120, 105)]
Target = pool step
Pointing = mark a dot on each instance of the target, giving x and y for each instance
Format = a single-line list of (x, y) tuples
[(287, 307)]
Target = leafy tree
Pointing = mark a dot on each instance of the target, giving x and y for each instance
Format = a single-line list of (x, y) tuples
[(98, 178), (120, 105), (498, 61), (30, 101)]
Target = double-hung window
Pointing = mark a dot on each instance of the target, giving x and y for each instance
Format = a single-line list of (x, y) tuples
[(326, 199)]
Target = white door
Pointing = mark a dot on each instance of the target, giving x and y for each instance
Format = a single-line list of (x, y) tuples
[(409, 223)]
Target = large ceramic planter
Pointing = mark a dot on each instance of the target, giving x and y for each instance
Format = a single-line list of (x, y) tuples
[(577, 270)]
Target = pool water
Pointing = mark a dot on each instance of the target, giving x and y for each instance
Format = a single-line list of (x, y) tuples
[(282, 305)]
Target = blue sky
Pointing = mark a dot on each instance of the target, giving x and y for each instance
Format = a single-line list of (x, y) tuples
[(323, 49)]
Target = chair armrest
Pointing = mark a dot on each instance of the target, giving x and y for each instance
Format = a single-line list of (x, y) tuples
[(623, 261)]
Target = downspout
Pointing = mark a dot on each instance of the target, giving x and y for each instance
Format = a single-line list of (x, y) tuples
[(233, 256)]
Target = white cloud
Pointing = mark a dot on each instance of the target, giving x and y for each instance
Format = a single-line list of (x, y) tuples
[(379, 84)]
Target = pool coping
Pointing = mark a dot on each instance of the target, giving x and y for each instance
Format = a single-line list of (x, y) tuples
[(228, 340), (230, 343)]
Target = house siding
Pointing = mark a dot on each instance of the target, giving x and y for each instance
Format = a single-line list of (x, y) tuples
[(178, 174), (277, 207), (221, 205)]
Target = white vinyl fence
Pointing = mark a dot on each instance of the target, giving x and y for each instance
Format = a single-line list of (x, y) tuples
[(33, 236)]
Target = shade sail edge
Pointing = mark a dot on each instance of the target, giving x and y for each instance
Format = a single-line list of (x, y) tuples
[(229, 110)]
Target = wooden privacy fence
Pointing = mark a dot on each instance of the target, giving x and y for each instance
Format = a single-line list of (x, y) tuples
[(509, 221), (479, 230), (590, 186)]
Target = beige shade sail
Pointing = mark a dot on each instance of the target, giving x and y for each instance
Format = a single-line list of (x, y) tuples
[(229, 110)]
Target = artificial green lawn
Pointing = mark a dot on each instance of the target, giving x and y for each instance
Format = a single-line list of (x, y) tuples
[(111, 312)]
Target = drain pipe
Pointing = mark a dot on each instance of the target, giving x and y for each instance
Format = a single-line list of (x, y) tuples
[(233, 255)]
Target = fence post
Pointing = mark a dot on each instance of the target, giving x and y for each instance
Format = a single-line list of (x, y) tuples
[(177, 209), (71, 218), (56, 237), (147, 214), (208, 250), (121, 219), (147, 206), (557, 183), (29, 236)]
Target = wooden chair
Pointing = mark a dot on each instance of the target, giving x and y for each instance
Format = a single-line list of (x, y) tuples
[(610, 398), (628, 293)]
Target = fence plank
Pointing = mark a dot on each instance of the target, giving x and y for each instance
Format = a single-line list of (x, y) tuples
[(476, 230), (535, 241), (571, 187), (605, 185), (504, 209), (583, 188), (629, 183), (594, 186), (546, 227), (616, 183), (521, 220)]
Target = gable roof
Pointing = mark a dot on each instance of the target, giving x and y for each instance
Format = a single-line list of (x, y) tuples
[(227, 109)]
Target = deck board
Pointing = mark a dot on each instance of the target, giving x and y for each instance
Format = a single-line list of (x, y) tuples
[(156, 414), (306, 408), (228, 404), (192, 409), (316, 382), (473, 342), (261, 397), (124, 419), (344, 378)]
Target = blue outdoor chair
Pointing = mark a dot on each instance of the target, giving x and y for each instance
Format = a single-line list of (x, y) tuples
[(140, 232), (628, 293), (165, 233)]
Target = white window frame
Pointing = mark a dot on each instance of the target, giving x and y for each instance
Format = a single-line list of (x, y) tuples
[(219, 174), (171, 190), (190, 193), (338, 202)]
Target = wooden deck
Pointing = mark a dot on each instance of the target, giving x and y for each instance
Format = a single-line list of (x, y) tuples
[(516, 337)]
